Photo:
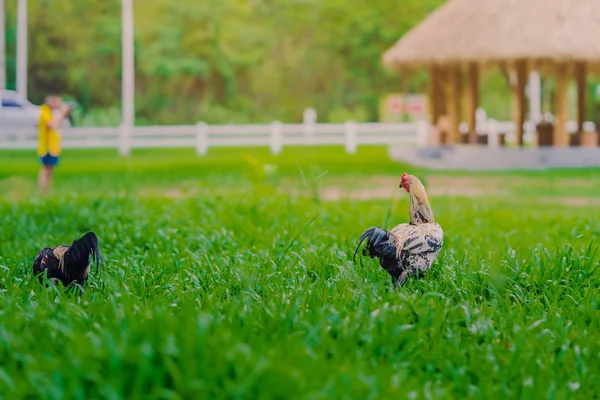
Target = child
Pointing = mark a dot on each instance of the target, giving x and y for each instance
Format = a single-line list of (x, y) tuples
[(49, 138)]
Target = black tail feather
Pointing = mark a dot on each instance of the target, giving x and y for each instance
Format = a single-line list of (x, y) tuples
[(380, 243), (78, 255)]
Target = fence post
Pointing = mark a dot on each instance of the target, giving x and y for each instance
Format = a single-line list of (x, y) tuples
[(422, 133), (529, 133), (589, 136), (275, 138), (309, 119), (125, 139), (350, 136), (201, 138), (480, 119), (492, 131), (589, 126)]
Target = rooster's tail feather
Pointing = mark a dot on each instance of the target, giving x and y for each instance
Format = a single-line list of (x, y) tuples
[(79, 252), (380, 243)]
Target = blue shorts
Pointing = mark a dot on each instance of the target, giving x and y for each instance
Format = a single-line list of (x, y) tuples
[(49, 160)]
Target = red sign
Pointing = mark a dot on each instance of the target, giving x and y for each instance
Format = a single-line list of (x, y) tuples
[(397, 107), (395, 104), (415, 108)]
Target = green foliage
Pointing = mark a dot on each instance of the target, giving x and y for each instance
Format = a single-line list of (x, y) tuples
[(223, 61), (500, 106), (223, 280), (97, 117), (342, 114)]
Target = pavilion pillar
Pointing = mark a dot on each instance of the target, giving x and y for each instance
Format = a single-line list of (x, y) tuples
[(439, 101), (473, 101), (561, 136), (440, 92), (580, 72), (452, 103), (521, 105), (457, 73), (432, 106)]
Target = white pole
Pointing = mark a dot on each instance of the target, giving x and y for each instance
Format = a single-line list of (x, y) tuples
[(275, 139), (309, 119), (22, 48), (350, 142), (2, 46), (535, 97), (128, 74), (201, 138)]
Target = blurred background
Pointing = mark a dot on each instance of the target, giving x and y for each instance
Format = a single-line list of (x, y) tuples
[(255, 62), (227, 61), (231, 61)]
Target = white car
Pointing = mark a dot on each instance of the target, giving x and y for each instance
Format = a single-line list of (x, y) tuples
[(17, 114)]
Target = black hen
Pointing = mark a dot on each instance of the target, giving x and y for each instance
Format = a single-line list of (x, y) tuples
[(71, 263)]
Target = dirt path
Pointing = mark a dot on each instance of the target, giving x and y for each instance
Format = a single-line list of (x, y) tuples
[(384, 187)]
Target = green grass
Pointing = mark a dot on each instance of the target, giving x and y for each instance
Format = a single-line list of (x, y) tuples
[(231, 276)]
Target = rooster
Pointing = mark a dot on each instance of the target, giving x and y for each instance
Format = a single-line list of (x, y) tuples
[(71, 263), (408, 249)]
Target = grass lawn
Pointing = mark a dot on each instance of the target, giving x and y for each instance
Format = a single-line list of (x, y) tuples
[(231, 276)]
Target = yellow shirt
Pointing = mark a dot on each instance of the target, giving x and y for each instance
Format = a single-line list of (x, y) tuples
[(48, 138)]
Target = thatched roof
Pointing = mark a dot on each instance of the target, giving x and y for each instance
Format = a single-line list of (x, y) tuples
[(491, 31)]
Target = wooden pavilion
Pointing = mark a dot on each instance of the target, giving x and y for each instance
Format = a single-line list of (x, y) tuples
[(463, 37)]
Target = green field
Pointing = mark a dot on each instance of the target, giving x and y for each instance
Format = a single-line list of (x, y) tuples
[(231, 276)]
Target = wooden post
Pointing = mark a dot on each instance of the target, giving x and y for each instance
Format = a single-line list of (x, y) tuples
[(431, 91), (589, 136), (581, 108), (438, 105), (451, 94), (521, 75), (442, 77), (561, 136), (473, 101), (441, 93), (459, 93), (438, 101)]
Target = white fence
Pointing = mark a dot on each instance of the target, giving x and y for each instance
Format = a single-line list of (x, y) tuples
[(275, 135), (203, 136)]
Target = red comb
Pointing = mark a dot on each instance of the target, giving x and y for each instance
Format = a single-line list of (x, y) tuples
[(404, 175)]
